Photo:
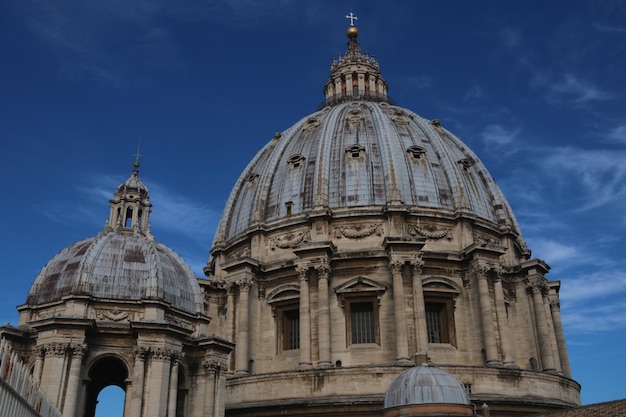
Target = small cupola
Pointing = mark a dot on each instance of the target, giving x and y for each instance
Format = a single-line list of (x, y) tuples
[(130, 206), (355, 75)]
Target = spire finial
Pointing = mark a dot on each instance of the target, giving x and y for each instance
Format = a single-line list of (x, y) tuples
[(352, 31), (352, 18), (137, 155)]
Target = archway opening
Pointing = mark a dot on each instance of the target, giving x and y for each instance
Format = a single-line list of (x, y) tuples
[(110, 402), (106, 372)]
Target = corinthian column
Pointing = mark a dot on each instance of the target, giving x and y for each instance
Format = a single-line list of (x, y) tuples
[(545, 347), (503, 328), (230, 312), (241, 351), (555, 309), (489, 336), (402, 348), (139, 369), (173, 394), (305, 318), (421, 335), (73, 382), (324, 316)]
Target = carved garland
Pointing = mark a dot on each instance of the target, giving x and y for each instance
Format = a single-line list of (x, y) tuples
[(289, 240), (359, 231), (113, 315), (239, 253), (431, 231)]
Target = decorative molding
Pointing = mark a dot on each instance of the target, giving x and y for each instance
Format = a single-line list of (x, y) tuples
[(244, 284), (358, 231), (290, 240), (215, 366), (243, 252), (55, 349), (555, 305), (431, 231), (483, 239), (482, 268), (310, 124), (113, 315), (182, 323), (400, 117)]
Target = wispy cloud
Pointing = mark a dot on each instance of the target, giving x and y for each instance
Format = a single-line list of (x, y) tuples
[(474, 92), (510, 37), (497, 136), (555, 251), (573, 88), (182, 215), (595, 302), (418, 81), (587, 287), (600, 173), (173, 213), (617, 134), (606, 28), (598, 317)]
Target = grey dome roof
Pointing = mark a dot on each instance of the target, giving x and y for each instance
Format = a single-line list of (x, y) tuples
[(357, 154), (118, 265), (425, 385)]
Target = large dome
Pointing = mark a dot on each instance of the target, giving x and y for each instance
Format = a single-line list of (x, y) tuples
[(118, 266), (363, 154)]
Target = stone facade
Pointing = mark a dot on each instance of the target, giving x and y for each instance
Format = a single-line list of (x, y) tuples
[(122, 309), (363, 238), (358, 242)]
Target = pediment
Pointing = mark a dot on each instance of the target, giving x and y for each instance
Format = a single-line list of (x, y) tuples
[(361, 284)]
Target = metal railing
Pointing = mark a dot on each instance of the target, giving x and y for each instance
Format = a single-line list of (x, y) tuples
[(20, 395)]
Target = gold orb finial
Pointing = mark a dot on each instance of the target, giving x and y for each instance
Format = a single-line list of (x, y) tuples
[(352, 32)]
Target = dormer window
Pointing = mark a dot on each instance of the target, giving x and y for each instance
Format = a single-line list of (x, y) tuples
[(355, 151), (252, 179), (416, 152), (466, 163), (295, 161), (310, 124)]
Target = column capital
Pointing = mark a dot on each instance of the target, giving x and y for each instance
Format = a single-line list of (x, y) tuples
[(536, 285), (555, 304), (483, 268), (141, 352), (214, 366), (79, 350), (396, 264), (323, 270), (55, 349), (244, 284), (303, 271)]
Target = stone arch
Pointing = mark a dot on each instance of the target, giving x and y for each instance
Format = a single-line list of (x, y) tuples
[(442, 283), (105, 370)]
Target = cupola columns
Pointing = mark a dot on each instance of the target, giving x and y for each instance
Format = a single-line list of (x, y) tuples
[(130, 206), (354, 76)]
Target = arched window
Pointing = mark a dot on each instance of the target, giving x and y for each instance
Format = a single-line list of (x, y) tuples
[(285, 303)]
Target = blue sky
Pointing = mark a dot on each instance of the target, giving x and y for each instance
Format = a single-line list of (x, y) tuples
[(536, 89)]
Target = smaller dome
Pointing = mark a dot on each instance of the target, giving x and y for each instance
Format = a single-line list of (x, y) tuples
[(425, 385), (118, 266)]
